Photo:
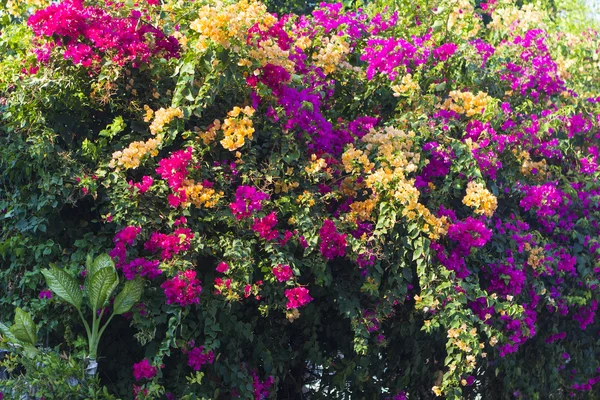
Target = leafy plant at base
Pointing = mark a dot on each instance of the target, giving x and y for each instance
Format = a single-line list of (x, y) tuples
[(100, 282)]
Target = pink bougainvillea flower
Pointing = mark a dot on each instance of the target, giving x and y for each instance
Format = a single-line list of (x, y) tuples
[(141, 267), (183, 289), (247, 201), (170, 245), (444, 51), (261, 389), (87, 34), (222, 267), (143, 369), (297, 297), (264, 227), (197, 357), (125, 236), (144, 185), (282, 272), (333, 244)]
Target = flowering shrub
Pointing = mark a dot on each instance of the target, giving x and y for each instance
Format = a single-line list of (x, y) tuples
[(398, 201)]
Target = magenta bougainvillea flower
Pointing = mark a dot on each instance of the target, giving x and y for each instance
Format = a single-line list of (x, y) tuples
[(197, 357), (125, 236), (88, 34), (333, 244), (297, 297), (143, 369), (144, 185), (170, 245), (141, 267), (264, 227), (222, 267), (283, 273), (261, 388), (183, 289), (247, 201)]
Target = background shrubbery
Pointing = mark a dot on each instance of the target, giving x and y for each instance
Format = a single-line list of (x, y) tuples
[(380, 200)]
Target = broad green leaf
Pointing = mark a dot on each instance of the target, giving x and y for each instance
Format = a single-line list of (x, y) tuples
[(101, 262), (24, 328), (64, 285), (101, 286), (30, 351), (131, 294), (89, 259), (5, 331)]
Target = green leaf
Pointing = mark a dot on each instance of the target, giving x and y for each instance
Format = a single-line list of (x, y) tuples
[(113, 129), (100, 287), (24, 328), (131, 294), (418, 252), (30, 351), (102, 261), (64, 285), (88, 261), (5, 331)]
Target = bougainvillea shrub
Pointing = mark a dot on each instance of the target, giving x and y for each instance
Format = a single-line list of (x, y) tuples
[(399, 201)]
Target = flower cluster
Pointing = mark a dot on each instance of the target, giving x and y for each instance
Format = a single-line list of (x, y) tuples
[(170, 245), (131, 157), (125, 236), (90, 33), (201, 194), (545, 199), (141, 267), (407, 86), (468, 234), (264, 227), (480, 198), (144, 185), (297, 297), (537, 73), (585, 315), (183, 289), (223, 267), (385, 55), (261, 389), (174, 170), (557, 336), (445, 51), (333, 244), (197, 357), (143, 369), (505, 279), (247, 201), (283, 273), (331, 53), (467, 103), (163, 117), (210, 134), (236, 129), (227, 24)]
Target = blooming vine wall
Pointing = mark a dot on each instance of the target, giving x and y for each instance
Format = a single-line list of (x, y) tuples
[(390, 201)]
